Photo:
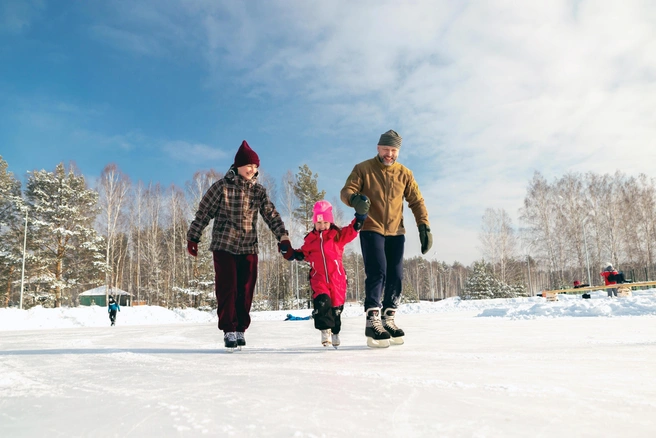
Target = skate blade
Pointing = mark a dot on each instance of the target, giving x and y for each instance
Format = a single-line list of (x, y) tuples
[(397, 341), (381, 343)]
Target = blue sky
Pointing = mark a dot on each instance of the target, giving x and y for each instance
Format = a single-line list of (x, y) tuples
[(483, 93)]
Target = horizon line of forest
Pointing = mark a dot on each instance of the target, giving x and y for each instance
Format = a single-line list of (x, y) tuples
[(133, 237)]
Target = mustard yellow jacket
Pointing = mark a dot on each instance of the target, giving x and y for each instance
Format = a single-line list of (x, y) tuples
[(386, 187)]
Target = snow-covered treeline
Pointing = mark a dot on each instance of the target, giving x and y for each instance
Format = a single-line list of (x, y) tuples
[(132, 236), (580, 221)]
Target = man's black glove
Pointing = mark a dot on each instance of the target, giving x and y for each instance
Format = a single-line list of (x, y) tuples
[(298, 255), (359, 221), (425, 238), (360, 202)]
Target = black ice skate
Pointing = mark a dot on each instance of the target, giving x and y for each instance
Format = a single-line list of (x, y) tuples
[(377, 336), (396, 334), (230, 340), (241, 340)]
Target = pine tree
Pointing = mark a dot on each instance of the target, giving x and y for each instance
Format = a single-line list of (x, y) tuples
[(11, 231), (409, 295), (65, 244), (480, 283), (519, 290), (307, 193), (305, 189)]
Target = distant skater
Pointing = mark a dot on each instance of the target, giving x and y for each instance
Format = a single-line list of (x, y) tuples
[(609, 274), (112, 308)]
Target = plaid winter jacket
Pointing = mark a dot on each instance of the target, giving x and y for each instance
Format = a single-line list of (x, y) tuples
[(233, 202)]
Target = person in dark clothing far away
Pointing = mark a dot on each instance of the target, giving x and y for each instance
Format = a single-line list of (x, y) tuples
[(609, 274), (112, 308)]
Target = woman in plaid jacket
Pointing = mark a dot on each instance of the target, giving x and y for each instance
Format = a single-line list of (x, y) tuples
[(234, 202)]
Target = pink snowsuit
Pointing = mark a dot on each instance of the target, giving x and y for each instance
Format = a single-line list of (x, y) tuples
[(324, 250)]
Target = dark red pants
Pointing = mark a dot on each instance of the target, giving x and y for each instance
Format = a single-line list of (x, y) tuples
[(234, 283)]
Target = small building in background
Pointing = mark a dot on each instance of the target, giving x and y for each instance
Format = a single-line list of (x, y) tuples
[(96, 297)]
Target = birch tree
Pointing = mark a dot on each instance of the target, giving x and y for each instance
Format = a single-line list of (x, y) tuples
[(152, 242), (498, 239), (537, 214), (113, 188), (288, 204), (201, 268), (176, 239)]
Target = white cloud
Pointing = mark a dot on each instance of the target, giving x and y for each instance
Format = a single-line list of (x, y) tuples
[(484, 94), (132, 140), (130, 41), (17, 16), (194, 153)]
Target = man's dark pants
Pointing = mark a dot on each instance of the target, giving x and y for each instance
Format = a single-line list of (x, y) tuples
[(383, 267)]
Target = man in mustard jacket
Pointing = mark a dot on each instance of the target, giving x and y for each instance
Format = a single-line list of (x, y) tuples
[(377, 187)]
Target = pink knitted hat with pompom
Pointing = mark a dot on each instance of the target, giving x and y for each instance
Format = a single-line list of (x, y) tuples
[(323, 211)]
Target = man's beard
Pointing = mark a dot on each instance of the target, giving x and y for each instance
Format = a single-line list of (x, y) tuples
[(382, 160)]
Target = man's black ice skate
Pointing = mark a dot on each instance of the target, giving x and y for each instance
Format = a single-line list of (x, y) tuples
[(396, 334), (241, 340), (230, 340), (377, 336)]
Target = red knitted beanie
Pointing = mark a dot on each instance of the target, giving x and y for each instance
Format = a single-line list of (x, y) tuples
[(246, 155)]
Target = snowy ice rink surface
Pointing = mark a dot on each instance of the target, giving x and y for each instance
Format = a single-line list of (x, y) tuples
[(493, 368)]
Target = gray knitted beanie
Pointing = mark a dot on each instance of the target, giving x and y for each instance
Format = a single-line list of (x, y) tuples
[(390, 138)]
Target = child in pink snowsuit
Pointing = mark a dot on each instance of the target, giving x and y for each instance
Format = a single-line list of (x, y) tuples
[(323, 249)]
